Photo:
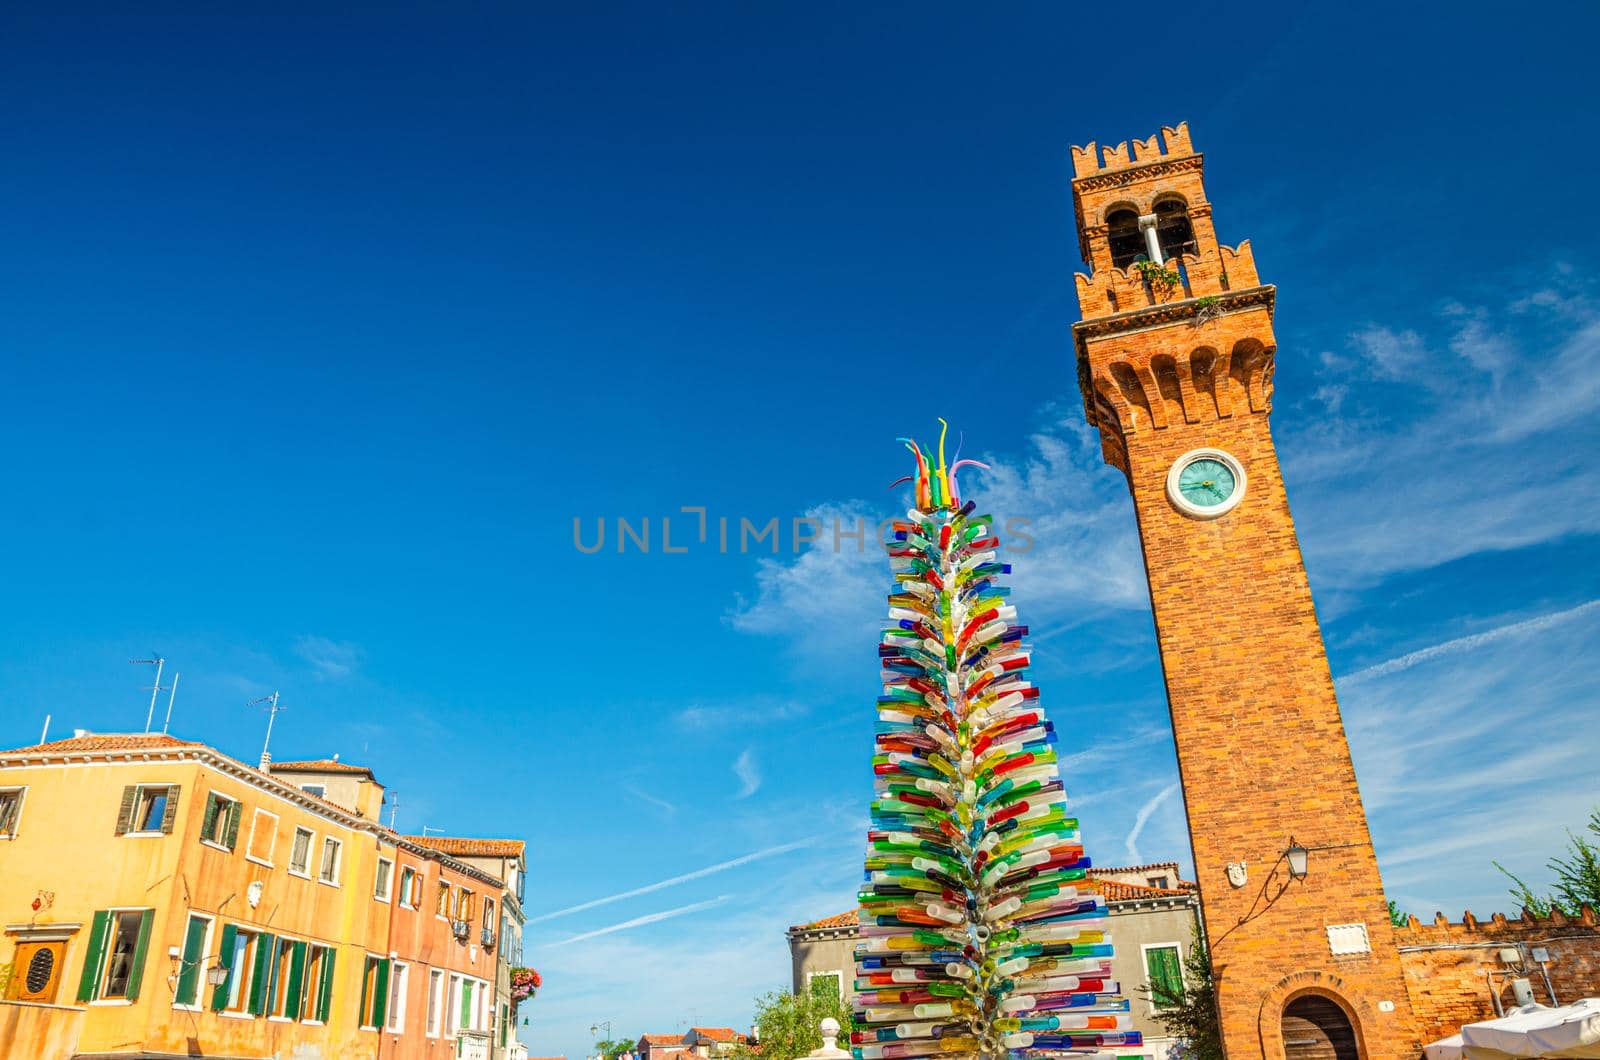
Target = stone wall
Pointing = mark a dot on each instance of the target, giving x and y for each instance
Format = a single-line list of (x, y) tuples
[(1453, 972)]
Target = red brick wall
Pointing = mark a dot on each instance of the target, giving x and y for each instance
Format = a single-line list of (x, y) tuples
[(1261, 747), (1445, 965)]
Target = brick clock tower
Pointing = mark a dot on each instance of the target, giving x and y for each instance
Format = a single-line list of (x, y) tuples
[(1175, 356)]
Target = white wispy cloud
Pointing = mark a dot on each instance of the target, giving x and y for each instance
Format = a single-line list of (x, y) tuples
[(1151, 806), (329, 659), (640, 921), (654, 800), (1468, 643), (673, 881), (749, 774)]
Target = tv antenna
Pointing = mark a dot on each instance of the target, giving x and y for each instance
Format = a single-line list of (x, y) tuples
[(158, 662), (394, 808), (272, 714), (173, 694)]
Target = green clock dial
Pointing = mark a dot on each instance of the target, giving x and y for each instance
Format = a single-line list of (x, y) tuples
[(1206, 483)]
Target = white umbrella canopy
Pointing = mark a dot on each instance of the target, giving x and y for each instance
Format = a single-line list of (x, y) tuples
[(1570, 1031)]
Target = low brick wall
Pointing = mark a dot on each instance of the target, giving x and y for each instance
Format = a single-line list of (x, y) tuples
[(1453, 971)]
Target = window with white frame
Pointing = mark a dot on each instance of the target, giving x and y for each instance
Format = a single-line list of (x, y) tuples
[(1163, 964), (435, 1001), (332, 851), (383, 879), (826, 984), (10, 811), (263, 837), (399, 974), (318, 790), (406, 893), (300, 852), (147, 809), (220, 824)]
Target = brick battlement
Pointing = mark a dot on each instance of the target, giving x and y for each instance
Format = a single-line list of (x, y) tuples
[(1470, 928), (1086, 160)]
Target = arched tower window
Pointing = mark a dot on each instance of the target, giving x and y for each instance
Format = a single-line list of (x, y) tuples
[(1127, 242), (1173, 230)]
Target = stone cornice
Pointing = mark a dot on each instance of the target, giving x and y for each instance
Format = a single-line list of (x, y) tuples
[(1118, 178), (1156, 316)]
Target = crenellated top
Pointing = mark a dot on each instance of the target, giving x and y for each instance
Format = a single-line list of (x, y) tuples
[(1497, 926), (1086, 161)]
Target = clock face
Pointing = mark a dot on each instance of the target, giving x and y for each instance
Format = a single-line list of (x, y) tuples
[(1206, 483)]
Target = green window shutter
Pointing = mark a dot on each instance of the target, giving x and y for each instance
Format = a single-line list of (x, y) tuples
[(1166, 979), (380, 993), (93, 957), (466, 1005), (234, 814), (297, 971), (171, 814), (265, 944), (208, 826), (194, 941), (325, 1001), (141, 950), (219, 996), (130, 795)]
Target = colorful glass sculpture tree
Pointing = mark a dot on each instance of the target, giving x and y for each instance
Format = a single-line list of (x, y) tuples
[(982, 934)]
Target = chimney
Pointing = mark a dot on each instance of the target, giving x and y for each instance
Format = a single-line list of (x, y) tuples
[(266, 762)]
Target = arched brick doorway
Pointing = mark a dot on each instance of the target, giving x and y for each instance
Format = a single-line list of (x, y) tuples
[(1316, 1028)]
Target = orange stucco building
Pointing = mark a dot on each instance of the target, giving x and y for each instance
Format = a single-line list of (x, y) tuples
[(160, 898), (1175, 358)]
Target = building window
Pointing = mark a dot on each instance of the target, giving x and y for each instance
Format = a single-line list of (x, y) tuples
[(10, 811), (316, 991), (331, 851), (435, 1001), (826, 984), (463, 905), (263, 837), (319, 790), (220, 825), (147, 809), (1164, 966), (397, 996), (114, 965), (408, 883), (288, 978), (192, 967), (238, 954), (488, 915), (383, 879), (300, 852), (374, 992), (442, 906), (1157, 881)]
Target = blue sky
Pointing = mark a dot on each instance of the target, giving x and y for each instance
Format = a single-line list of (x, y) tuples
[(320, 330)]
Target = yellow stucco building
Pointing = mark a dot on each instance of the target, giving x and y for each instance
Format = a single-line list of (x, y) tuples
[(161, 899)]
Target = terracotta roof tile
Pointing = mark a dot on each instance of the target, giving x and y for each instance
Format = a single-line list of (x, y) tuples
[(462, 846), (838, 920), (717, 1034), (110, 741), (1132, 892), (660, 1039), (1106, 870), (318, 765)]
